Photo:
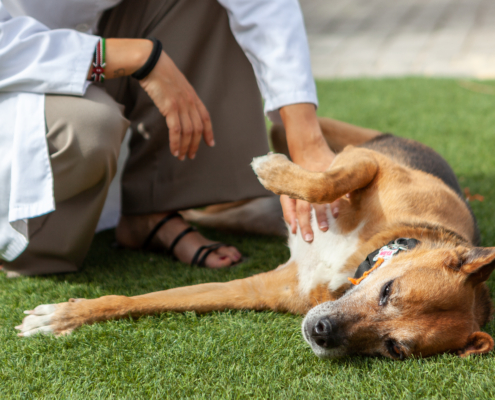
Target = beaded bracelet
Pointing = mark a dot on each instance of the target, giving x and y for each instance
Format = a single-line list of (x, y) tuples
[(99, 64)]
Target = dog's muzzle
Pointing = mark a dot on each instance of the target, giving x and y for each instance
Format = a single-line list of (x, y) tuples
[(324, 333)]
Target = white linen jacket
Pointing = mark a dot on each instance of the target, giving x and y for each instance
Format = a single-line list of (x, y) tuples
[(47, 46)]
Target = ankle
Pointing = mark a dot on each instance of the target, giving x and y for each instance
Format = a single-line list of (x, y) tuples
[(133, 230)]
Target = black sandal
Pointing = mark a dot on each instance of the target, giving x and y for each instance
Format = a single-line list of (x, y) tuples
[(200, 262), (209, 248)]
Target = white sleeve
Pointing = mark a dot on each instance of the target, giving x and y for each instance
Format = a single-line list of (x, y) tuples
[(272, 35), (36, 59)]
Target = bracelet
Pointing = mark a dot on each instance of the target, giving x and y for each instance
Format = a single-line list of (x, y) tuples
[(150, 63), (99, 64)]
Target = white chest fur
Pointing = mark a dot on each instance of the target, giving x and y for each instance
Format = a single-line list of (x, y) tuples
[(322, 260)]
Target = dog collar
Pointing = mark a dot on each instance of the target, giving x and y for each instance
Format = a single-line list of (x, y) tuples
[(375, 259)]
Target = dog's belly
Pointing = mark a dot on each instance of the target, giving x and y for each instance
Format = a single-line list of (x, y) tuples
[(322, 261)]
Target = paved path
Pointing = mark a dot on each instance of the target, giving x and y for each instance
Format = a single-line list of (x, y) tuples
[(351, 38)]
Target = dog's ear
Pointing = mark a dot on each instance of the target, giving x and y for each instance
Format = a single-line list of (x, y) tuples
[(477, 343), (478, 263)]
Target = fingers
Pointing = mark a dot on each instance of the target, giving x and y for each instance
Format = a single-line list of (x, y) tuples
[(174, 132), (321, 216), (202, 128), (299, 212), (335, 208), (207, 128), (197, 134), (186, 116), (303, 212), (185, 132), (289, 210), (186, 135)]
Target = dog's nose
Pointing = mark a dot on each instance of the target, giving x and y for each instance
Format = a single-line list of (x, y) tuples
[(324, 333)]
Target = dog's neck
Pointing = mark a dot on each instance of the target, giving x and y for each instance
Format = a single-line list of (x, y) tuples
[(430, 234)]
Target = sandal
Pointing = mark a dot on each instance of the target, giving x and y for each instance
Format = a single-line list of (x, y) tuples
[(196, 260)]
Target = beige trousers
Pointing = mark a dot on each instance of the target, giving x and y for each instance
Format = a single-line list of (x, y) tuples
[(84, 137), (84, 134)]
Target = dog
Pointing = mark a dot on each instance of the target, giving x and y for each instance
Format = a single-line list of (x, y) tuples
[(397, 274)]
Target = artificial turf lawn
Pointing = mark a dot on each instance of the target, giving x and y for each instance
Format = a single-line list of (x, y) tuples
[(245, 354)]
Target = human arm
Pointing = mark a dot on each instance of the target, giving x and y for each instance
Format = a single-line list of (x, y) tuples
[(308, 149), (273, 37), (186, 116), (37, 59)]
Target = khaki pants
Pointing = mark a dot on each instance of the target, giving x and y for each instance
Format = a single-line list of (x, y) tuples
[(84, 134)]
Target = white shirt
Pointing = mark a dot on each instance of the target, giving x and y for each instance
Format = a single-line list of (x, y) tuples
[(47, 46)]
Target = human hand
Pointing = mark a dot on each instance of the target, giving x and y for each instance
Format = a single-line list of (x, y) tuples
[(187, 118), (299, 211)]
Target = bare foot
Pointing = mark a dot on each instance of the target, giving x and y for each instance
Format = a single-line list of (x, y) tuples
[(133, 230)]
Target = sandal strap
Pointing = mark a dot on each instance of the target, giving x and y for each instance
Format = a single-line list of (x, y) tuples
[(209, 249), (157, 227), (179, 237), (194, 260)]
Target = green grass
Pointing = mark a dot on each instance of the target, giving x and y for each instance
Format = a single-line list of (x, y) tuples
[(240, 354)]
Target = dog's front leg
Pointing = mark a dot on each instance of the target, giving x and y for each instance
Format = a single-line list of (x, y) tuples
[(275, 290), (352, 169)]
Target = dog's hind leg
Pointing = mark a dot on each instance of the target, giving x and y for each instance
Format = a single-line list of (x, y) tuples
[(352, 169), (261, 216), (275, 290), (338, 134)]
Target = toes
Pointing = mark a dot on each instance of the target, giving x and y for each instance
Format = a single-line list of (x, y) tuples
[(223, 257), (34, 321), (46, 330), (38, 321), (43, 309), (215, 261), (230, 252)]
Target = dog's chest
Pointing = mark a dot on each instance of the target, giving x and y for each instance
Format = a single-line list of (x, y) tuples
[(322, 261)]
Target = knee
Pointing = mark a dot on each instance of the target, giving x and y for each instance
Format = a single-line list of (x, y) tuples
[(103, 129), (84, 138), (100, 131)]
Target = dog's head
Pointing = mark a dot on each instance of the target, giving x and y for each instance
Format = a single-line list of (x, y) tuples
[(419, 303)]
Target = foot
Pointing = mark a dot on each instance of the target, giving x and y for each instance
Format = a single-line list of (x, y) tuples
[(133, 230)]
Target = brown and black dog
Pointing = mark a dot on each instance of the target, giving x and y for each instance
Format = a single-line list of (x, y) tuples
[(428, 298)]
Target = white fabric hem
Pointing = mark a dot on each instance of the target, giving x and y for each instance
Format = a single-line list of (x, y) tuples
[(15, 249), (33, 210)]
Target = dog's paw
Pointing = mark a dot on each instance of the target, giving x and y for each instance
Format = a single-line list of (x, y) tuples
[(48, 319), (272, 171)]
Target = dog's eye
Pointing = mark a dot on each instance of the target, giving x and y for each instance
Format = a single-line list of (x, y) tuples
[(385, 293), (393, 349)]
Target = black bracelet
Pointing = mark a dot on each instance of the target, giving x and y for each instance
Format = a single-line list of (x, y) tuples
[(150, 63)]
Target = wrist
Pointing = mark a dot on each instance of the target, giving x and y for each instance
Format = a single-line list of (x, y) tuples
[(145, 70), (141, 52), (125, 56), (306, 143)]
